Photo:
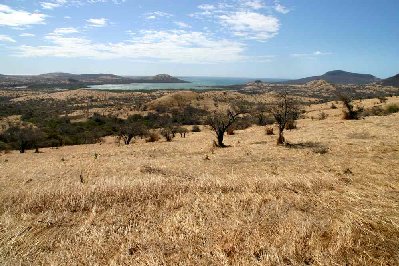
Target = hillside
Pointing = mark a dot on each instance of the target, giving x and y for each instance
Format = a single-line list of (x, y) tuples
[(79, 80), (392, 81), (329, 198), (339, 77)]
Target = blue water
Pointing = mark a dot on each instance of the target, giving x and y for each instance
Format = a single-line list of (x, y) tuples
[(196, 83)]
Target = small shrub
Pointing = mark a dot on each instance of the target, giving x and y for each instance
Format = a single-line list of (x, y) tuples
[(323, 116), (4, 146), (153, 137), (392, 108), (321, 150), (269, 131), (333, 106), (243, 123), (195, 129), (291, 124)]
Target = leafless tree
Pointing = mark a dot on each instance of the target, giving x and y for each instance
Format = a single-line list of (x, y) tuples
[(284, 109)]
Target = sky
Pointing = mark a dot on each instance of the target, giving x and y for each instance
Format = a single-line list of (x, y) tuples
[(225, 38)]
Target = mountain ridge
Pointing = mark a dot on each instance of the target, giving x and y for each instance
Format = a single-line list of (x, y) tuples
[(391, 81), (338, 77)]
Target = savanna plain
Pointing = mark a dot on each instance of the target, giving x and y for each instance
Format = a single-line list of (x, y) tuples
[(329, 196)]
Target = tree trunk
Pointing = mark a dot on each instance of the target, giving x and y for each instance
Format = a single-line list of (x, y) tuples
[(220, 136), (280, 139), (22, 147)]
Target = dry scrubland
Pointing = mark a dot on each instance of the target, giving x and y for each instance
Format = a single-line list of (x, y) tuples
[(329, 198)]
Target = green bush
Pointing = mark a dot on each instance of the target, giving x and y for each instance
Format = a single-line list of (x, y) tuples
[(392, 108), (195, 129)]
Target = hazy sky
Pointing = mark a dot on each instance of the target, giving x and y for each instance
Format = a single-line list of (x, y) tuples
[(242, 38)]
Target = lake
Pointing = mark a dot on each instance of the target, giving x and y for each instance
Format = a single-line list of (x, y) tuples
[(196, 83)]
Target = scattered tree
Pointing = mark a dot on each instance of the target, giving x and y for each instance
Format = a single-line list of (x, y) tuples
[(128, 131), (284, 110), (168, 134), (23, 138), (220, 123), (350, 113), (182, 131)]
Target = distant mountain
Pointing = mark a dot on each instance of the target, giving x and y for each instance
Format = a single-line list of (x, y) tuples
[(166, 78), (339, 77), (392, 81), (67, 80)]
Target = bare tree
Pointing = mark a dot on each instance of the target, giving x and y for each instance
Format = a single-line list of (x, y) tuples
[(284, 110), (220, 123)]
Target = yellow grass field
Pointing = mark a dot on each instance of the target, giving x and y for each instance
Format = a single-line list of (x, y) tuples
[(331, 197)]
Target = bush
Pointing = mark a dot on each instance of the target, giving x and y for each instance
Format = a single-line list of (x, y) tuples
[(4, 146), (333, 106), (153, 137), (243, 123), (269, 131), (392, 108), (290, 125), (322, 116), (195, 129)]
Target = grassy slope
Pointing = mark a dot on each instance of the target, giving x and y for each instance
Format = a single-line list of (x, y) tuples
[(251, 204)]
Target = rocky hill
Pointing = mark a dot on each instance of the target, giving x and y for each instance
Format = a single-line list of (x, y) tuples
[(320, 85), (339, 77)]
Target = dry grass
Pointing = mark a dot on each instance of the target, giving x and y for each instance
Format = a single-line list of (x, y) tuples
[(254, 203)]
